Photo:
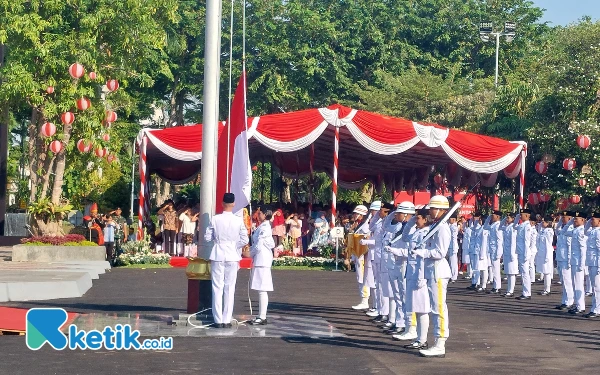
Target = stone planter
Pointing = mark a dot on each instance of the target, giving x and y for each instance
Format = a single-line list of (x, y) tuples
[(37, 253)]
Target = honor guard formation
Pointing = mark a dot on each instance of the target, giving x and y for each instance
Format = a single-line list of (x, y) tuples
[(405, 258)]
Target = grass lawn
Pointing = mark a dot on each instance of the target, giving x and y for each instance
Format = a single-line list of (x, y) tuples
[(145, 266), (296, 268)]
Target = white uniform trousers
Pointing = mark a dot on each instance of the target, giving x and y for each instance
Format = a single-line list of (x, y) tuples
[(398, 283), (453, 260), (578, 288), (564, 271), (532, 268), (525, 276), (359, 266), (439, 310), (588, 280), (375, 286), (595, 278), (496, 274), (224, 276), (383, 288)]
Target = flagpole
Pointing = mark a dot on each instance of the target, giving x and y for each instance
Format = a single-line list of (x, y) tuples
[(210, 118)]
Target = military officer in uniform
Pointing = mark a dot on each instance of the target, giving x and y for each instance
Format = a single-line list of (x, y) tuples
[(361, 219), (391, 226), (524, 237), (437, 273), (564, 235), (474, 248), (593, 262), (453, 251), (229, 235), (578, 252), (509, 255), (544, 261), (262, 260), (496, 249)]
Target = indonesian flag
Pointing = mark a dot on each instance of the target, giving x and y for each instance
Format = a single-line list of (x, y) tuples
[(234, 173)]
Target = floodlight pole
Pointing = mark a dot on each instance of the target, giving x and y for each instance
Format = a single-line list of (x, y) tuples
[(486, 29), (497, 53)]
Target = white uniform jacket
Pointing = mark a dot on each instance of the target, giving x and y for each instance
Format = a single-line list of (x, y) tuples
[(511, 265), (436, 248), (496, 241), (592, 258), (564, 235), (391, 229), (544, 260), (524, 236), (453, 250), (229, 235), (262, 245), (578, 248)]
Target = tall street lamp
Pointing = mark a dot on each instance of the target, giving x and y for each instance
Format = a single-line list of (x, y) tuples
[(486, 29)]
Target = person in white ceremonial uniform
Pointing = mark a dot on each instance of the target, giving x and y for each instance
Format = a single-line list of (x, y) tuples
[(375, 223), (262, 260), (417, 302), (592, 260), (361, 218), (578, 253), (399, 248), (544, 260), (391, 226), (509, 254), (466, 256), (496, 249), (453, 251), (229, 235), (564, 235), (524, 237), (380, 274), (474, 249), (534, 242), (437, 273), (482, 255)]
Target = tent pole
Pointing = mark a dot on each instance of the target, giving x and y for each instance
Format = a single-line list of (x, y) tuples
[(140, 233), (271, 185), (210, 111), (262, 180), (334, 189), (522, 177), (311, 178), (132, 180)]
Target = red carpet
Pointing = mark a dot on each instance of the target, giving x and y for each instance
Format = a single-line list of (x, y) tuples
[(13, 320), (182, 262)]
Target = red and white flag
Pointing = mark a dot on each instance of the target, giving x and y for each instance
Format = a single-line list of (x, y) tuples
[(234, 173)]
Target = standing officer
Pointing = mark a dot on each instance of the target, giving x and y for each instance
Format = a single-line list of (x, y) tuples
[(564, 235), (496, 249), (544, 261), (578, 250), (437, 274), (593, 262), (453, 251), (511, 264), (361, 220), (524, 237), (229, 235)]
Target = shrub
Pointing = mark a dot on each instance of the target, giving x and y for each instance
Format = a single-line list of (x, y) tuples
[(56, 241)]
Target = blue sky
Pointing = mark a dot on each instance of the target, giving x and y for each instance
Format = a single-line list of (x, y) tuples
[(563, 12)]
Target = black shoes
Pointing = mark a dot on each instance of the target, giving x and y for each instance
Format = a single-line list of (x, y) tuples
[(222, 325), (561, 307), (258, 322), (592, 315), (472, 287), (521, 298), (507, 294), (575, 311)]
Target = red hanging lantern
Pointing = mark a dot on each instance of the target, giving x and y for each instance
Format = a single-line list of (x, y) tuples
[(55, 146), (582, 182), (50, 89), (106, 137), (562, 204), (569, 164), (575, 199), (584, 141), (541, 167), (533, 198), (100, 152), (92, 75), (83, 104), (48, 129), (76, 70), (110, 117), (84, 146), (545, 197), (438, 179), (598, 190), (67, 118), (110, 158), (112, 84)]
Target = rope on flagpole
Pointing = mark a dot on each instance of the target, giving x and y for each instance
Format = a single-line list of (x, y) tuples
[(229, 100), (335, 174), (140, 234)]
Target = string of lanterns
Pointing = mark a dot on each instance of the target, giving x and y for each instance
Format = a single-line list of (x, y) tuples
[(48, 129)]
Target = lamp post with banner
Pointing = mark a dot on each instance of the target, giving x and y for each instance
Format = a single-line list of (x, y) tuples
[(486, 31)]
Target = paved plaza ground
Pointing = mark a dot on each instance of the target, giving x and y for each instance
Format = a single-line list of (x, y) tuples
[(488, 334)]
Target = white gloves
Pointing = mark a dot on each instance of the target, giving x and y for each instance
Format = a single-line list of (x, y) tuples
[(418, 253), (421, 283), (387, 249)]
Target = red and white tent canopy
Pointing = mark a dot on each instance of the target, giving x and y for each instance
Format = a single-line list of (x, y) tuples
[(371, 147)]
